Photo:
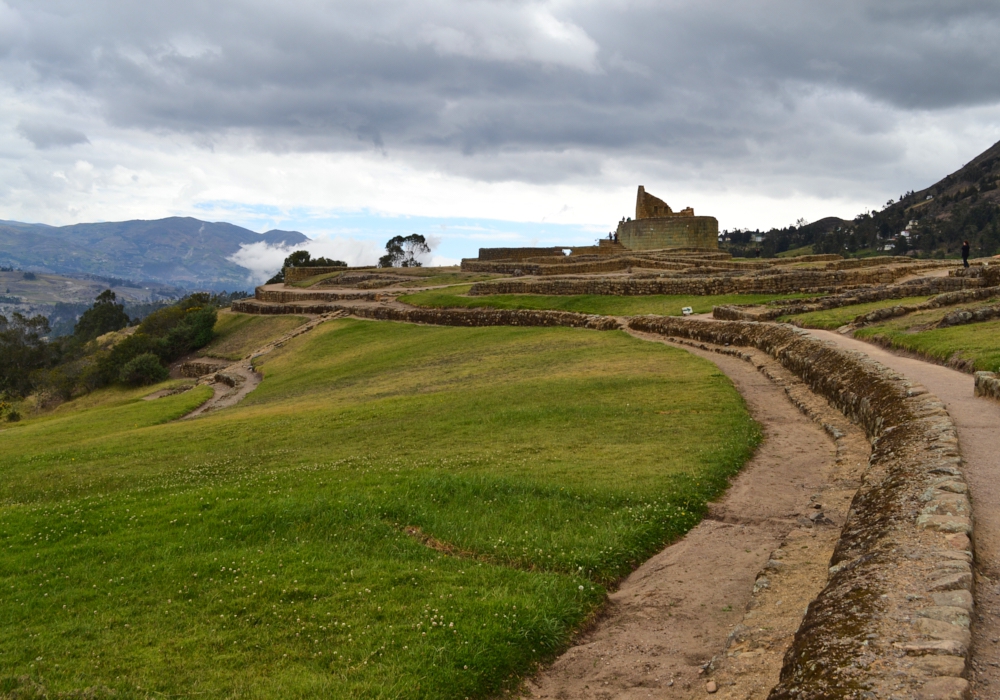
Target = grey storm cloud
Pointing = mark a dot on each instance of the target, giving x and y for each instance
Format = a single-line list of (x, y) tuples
[(535, 86), (45, 136)]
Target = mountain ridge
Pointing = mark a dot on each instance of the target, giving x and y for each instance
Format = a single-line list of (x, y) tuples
[(181, 251)]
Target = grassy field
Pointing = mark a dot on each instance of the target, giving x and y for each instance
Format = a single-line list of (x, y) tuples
[(835, 318), (397, 511), (977, 343), (666, 305), (236, 335)]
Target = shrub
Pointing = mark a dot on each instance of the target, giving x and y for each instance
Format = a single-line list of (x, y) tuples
[(142, 370)]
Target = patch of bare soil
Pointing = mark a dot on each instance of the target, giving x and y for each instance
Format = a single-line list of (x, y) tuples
[(715, 612), (977, 420)]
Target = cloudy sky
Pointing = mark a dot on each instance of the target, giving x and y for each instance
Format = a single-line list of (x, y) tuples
[(485, 122)]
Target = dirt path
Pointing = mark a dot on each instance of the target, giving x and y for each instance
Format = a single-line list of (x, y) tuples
[(978, 423), (700, 611), (231, 384)]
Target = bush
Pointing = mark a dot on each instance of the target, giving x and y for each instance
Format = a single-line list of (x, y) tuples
[(144, 369)]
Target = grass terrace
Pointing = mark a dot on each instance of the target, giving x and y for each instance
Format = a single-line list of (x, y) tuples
[(835, 318), (608, 305), (237, 335), (976, 344), (398, 511)]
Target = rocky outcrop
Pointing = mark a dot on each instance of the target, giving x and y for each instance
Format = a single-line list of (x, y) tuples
[(894, 618)]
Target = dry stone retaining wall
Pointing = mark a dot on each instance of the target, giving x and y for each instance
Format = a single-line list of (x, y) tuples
[(778, 283), (894, 618), (282, 297), (297, 274), (966, 290), (987, 384)]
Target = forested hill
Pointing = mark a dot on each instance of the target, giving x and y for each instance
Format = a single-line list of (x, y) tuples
[(185, 252), (963, 206)]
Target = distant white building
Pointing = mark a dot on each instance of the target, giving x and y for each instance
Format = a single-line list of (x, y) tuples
[(904, 234)]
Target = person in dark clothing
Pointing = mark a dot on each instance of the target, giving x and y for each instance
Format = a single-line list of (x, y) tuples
[(965, 253)]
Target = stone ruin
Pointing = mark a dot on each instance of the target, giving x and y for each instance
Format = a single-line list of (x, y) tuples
[(656, 226)]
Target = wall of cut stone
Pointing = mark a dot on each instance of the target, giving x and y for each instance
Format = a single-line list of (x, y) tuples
[(669, 232)]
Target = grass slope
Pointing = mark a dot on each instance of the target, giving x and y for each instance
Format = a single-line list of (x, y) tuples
[(835, 318), (261, 551), (236, 335), (666, 305), (977, 344)]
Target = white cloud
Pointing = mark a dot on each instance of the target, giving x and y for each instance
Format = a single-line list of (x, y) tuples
[(264, 260)]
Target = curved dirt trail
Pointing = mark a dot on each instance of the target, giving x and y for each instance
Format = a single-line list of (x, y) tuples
[(977, 420), (697, 599)]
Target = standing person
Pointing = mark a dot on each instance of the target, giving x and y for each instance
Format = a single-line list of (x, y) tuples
[(965, 253)]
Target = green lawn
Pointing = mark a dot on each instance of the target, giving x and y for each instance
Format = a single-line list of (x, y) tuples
[(835, 318), (262, 551), (236, 335), (665, 305), (975, 342)]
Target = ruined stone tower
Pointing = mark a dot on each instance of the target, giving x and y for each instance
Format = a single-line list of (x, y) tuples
[(657, 226)]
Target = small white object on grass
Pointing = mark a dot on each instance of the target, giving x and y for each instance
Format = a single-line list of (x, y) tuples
[(687, 311)]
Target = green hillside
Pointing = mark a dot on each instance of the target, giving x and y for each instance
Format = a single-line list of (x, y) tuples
[(398, 511)]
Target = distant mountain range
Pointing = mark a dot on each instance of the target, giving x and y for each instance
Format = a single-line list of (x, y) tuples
[(179, 251)]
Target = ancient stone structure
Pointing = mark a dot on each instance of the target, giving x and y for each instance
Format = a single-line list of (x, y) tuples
[(657, 226)]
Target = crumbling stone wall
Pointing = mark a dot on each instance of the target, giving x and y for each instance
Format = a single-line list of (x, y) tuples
[(894, 618)]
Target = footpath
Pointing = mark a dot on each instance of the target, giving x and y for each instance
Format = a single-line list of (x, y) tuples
[(977, 421)]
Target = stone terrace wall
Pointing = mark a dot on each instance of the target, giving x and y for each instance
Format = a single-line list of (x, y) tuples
[(518, 254), (931, 285), (987, 384), (282, 297), (440, 317), (777, 283), (893, 620), (297, 274)]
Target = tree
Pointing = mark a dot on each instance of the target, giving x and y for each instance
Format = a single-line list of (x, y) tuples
[(143, 369), (301, 258), (105, 316), (402, 251), (22, 351)]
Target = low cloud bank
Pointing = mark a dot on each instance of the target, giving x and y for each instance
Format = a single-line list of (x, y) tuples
[(263, 260)]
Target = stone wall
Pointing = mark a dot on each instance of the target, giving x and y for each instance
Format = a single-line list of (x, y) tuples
[(282, 297), (518, 254), (297, 274), (669, 232), (781, 282), (440, 317), (894, 618), (931, 285), (987, 384)]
